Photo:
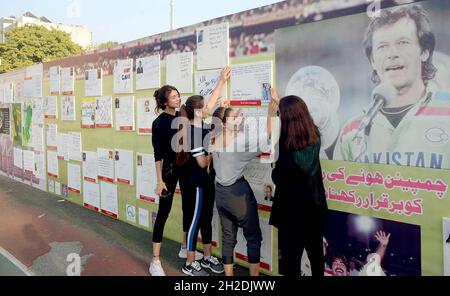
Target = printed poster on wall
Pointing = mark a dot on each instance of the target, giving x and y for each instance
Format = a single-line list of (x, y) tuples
[(68, 108), (54, 80), (93, 83), (124, 107), (103, 112), (91, 195), (67, 81), (148, 72), (145, 115), (250, 84), (88, 113), (50, 107), (213, 46), (109, 202), (146, 178)]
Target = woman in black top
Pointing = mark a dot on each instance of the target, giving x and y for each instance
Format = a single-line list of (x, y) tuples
[(167, 173), (299, 208)]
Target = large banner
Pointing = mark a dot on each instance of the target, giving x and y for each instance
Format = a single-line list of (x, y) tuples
[(379, 91), (336, 66)]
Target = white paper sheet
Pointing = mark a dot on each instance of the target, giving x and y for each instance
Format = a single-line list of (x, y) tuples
[(52, 164), (179, 69), (146, 177), (50, 107), (212, 46), (108, 199), (93, 83), (124, 108), (68, 108), (91, 195), (74, 143), (148, 71), (54, 80), (103, 112), (123, 76), (123, 165), (145, 115), (67, 81), (90, 166), (249, 84), (105, 165), (88, 113), (74, 178)]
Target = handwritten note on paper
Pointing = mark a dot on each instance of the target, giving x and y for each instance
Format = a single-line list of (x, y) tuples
[(249, 83), (205, 83), (179, 69), (212, 46)]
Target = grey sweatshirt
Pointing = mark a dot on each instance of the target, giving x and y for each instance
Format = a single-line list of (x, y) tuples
[(230, 163)]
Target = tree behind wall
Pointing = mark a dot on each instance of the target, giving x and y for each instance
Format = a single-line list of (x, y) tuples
[(29, 45)]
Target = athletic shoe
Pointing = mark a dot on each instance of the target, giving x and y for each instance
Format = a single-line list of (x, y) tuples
[(156, 268), (212, 263), (183, 254), (194, 269)]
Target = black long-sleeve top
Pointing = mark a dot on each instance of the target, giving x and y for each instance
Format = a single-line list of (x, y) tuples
[(162, 134)]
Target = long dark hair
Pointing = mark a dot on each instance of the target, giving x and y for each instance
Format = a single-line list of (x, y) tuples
[(298, 130), (187, 111), (161, 96)]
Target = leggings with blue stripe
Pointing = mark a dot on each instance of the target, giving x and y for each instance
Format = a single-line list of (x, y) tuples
[(198, 206)]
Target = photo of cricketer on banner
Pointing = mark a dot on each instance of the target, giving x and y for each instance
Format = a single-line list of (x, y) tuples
[(394, 86)]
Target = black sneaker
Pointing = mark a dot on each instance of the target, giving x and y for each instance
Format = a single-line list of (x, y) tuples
[(194, 269), (212, 263)]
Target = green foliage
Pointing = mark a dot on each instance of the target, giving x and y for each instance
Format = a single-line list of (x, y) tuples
[(107, 44), (29, 45)]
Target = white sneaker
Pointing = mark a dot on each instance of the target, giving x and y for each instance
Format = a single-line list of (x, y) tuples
[(156, 269), (183, 254)]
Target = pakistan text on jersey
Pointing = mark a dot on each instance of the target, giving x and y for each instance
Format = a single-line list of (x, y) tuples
[(415, 159)]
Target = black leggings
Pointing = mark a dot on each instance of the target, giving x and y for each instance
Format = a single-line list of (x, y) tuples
[(292, 240), (198, 206), (165, 205)]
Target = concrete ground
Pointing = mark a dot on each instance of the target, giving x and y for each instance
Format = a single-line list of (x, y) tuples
[(38, 231)]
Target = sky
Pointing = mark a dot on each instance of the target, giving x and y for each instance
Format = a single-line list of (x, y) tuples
[(119, 20)]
